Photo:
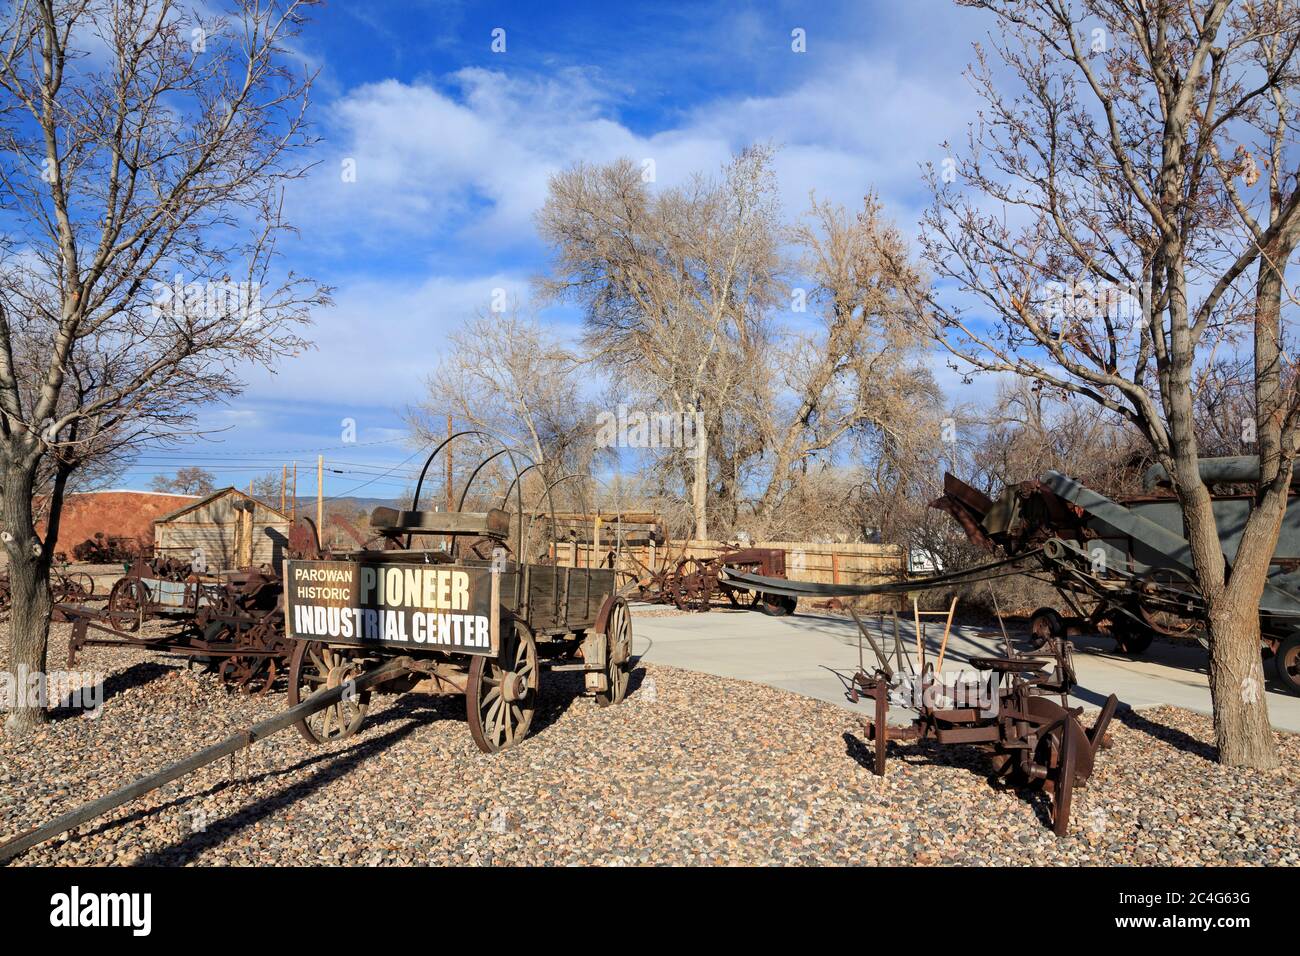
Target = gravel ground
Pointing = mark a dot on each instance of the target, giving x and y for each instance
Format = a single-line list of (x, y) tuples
[(690, 769)]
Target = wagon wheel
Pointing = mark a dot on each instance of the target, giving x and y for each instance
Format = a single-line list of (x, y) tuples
[(740, 598), (501, 692), (74, 587), (1131, 637), (1176, 596), (618, 654), (1287, 662), (1065, 752), (677, 587), (777, 605), (315, 666), (252, 675), (126, 603)]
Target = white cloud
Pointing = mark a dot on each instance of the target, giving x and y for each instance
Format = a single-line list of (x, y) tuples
[(471, 155), (381, 340)]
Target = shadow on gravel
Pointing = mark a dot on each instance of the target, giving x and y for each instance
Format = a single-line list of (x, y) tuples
[(928, 753), (137, 675), (1176, 738), (330, 767)]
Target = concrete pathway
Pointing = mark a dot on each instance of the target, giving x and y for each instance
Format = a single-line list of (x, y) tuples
[(814, 654)]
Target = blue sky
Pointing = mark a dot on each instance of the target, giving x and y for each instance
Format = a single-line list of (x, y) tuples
[(452, 145)]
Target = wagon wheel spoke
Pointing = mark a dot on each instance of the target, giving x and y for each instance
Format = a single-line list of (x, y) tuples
[(313, 667), (500, 700), (618, 654)]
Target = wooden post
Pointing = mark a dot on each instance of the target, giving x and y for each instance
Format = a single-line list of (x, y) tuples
[(835, 567), (320, 493), (450, 503), (449, 541), (293, 516)]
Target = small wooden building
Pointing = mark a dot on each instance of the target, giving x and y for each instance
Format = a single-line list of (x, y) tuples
[(230, 529)]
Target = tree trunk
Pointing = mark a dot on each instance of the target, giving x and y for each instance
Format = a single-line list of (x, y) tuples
[(29, 590), (1241, 724), (701, 489)]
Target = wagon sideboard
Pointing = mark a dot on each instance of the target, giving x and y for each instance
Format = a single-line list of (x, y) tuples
[(455, 608)]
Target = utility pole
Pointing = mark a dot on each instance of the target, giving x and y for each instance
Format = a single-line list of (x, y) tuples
[(320, 493), (294, 514)]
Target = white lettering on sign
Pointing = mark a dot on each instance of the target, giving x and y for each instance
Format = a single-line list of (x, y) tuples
[(451, 630)]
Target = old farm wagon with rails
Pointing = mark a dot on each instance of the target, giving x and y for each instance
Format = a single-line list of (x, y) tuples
[(472, 618), (1125, 567)]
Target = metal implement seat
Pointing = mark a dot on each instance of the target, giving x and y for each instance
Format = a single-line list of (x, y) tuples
[(489, 524)]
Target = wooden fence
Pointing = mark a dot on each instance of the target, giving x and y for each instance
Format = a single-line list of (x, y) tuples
[(820, 562)]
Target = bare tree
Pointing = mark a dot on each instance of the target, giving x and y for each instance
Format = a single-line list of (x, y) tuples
[(189, 480), (673, 283), (517, 380), (142, 157), (1103, 225), (859, 373)]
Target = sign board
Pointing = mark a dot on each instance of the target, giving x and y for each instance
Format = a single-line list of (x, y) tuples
[(411, 607)]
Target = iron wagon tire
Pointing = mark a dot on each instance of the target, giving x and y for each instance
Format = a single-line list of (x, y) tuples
[(1131, 638), (1044, 624), (501, 692), (312, 666), (618, 654), (126, 604), (1287, 663), (777, 605)]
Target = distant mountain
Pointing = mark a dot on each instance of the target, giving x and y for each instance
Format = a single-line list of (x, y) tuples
[(350, 503)]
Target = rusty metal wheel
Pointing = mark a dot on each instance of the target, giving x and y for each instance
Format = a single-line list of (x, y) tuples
[(1045, 625), (1065, 753), (1062, 785), (501, 692), (249, 674), (777, 605), (1287, 662), (316, 666), (618, 654), (126, 603), (77, 588), (1131, 637)]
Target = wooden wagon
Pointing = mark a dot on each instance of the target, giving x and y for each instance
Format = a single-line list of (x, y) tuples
[(479, 623)]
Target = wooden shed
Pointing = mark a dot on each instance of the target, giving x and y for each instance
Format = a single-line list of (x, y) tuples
[(230, 528)]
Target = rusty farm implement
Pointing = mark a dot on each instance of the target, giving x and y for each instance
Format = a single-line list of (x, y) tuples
[(693, 583), (232, 624), (1124, 567), (1002, 705)]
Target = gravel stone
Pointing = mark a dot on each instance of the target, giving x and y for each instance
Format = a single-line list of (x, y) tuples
[(705, 770)]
